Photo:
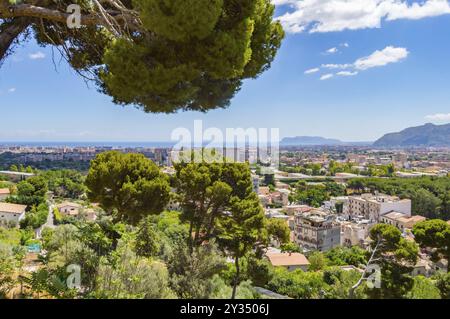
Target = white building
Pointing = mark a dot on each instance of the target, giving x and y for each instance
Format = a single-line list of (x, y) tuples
[(372, 207), (355, 233), (4, 193), (401, 221), (11, 213), (69, 209)]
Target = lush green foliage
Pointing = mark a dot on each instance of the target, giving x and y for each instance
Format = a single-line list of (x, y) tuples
[(9, 161), (30, 192), (314, 195), (342, 256), (129, 276), (317, 261), (443, 284), (396, 257), (331, 283), (218, 202), (8, 265), (423, 288), (65, 183), (128, 185), (147, 241), (434, 234), (278, 230), (36, 217)]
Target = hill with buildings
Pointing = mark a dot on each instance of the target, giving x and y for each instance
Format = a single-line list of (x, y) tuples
[(425, 135)]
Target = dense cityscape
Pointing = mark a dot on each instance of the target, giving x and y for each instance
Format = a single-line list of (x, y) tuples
[(323, 210)]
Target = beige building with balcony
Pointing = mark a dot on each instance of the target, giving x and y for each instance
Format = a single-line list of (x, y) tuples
[(373, 207), (317, 230), (401, 221)]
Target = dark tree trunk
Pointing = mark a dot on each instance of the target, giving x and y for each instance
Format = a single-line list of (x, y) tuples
[(236, 278), (9, 33)]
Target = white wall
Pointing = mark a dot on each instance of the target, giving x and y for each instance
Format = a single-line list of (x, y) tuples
[(7, 217)]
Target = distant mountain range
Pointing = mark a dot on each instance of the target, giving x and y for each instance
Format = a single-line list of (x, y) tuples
[(428, 135)]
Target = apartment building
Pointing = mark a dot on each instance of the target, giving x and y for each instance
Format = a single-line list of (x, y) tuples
[(401, 221), (316, 230), (373, 206)]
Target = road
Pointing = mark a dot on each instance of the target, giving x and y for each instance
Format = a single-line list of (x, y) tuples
[(49, 223), (50, 218)]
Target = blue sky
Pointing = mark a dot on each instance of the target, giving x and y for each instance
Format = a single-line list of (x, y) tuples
[(43, 102)]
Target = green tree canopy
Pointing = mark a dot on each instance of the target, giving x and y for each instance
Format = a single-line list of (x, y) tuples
[(443, 284), (206, 192), (130, 184), (278, 229), (31, 191), (423, 288), (342, 256), (147, 239), (242, 230), (395, 256), (434, 233), (162, 55)]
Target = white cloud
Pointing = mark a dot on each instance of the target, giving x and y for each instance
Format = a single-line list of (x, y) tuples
[(37, 55), (326, 77), (386, 56), (12, 90), (336, 66), (338, 15), (332, 50), (311, 71), (439, 117), (347, 73), (345, 45), (383, 57), (378, 58)]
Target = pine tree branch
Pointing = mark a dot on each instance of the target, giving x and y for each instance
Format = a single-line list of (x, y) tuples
[(9, 32)]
